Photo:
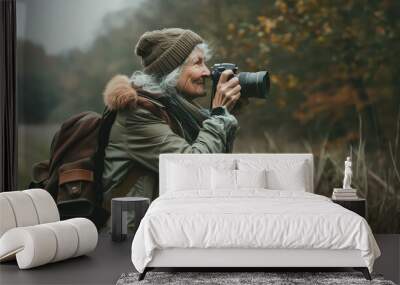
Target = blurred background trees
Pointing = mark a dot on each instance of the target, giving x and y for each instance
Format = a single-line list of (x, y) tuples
[(334, 68)]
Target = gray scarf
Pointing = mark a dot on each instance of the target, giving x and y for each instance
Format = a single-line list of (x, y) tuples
[(189, 115)]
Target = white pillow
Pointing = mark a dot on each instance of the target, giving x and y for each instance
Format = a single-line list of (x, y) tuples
[(187, 175), (282, 174), (293, 180), (183, 177), (251, 178), (223, 179), (226, 179)]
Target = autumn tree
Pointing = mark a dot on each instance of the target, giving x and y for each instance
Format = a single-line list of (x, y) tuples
[(331, 61)]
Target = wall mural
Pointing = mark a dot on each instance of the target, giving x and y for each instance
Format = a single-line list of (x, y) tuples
[(333, 66)]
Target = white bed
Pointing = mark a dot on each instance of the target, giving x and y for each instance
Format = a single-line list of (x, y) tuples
[(201, 219)]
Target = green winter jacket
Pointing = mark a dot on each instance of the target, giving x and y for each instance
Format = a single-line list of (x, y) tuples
[(138, 137)]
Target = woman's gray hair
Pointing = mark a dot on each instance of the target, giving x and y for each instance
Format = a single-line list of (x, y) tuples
[(166, 84)]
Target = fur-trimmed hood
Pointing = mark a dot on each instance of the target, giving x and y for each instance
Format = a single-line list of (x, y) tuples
[(119, 93)]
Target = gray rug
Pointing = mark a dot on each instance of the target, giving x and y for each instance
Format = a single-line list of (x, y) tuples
[(230, 278)]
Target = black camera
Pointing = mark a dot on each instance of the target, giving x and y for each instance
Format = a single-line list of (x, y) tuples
[(253, 84)]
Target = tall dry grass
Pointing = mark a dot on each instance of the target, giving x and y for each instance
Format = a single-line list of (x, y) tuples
[(376, 173)]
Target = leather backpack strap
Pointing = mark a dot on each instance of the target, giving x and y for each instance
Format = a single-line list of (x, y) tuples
[(75, 175)]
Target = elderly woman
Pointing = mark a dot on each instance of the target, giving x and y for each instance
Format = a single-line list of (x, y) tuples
[(156, 113)]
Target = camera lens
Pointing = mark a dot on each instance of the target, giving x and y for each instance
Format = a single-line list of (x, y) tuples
[(254, 84)]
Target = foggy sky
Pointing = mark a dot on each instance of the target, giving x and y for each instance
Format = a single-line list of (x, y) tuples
[(60, 25)]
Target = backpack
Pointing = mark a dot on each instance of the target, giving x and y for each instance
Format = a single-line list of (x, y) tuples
[(73, 174)]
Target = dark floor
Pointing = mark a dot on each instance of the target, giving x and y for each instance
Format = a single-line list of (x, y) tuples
[(389, 262), (110, 260), (102, 266)]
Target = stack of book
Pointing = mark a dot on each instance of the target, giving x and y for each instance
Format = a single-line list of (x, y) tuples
[(344, 194)]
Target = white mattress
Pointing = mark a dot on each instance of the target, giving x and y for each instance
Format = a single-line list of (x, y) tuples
[(252, 219)]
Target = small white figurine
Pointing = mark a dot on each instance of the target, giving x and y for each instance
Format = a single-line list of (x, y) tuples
[(347, 174)]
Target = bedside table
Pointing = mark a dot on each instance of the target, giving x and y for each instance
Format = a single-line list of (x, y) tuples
[(358, 206), (119, 215)]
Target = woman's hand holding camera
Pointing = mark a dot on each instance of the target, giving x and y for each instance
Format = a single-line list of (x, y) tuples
[(228, 91)]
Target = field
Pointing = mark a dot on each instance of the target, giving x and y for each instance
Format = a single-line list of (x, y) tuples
[(375, 175)]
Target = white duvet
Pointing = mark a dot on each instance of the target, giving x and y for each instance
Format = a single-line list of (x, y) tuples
[(250, 219)]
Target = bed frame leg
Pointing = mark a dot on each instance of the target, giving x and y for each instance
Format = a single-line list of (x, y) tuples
[(364, 271), (143, 274)]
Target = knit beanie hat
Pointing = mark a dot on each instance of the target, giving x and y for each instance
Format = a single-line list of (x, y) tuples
[(164, 50)]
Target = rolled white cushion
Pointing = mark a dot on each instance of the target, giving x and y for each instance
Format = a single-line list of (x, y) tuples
[(33, 246), (23, 208), (45, 205), (40, 244), (7, 218), (67, 240), (87, 235), (26, 208)]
